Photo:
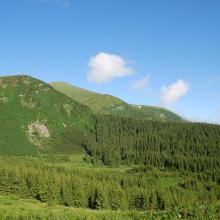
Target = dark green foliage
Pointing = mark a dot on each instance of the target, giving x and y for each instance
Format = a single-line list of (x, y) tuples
[(70, 141), (189, 147)]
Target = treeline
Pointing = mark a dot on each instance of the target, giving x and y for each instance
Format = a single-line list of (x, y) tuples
[(189, 147), (102, 189)]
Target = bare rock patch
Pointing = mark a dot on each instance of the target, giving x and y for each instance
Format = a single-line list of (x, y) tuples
[(38, 132)]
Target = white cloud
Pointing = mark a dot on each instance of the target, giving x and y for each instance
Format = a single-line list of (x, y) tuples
[(172, 93), (140, 84), (216, 118), (214, 80), (104, 67)]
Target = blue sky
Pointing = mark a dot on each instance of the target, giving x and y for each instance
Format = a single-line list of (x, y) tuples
[(151, 52)]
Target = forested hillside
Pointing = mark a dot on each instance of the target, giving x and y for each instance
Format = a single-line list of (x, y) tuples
[(59, 153), (190, 147), (103, 104)]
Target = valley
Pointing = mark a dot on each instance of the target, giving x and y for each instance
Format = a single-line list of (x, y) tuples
[(66, 154)]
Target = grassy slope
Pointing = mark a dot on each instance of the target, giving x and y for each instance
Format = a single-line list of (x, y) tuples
[(13, 208), (97, 102), (106, 104), (25, 100)]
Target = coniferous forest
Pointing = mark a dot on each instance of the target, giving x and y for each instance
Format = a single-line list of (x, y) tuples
[(187, 147), (60, 160), (143, 191), (172, 172)]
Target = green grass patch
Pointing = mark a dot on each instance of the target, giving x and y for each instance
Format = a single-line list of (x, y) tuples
[(167, 182), (107, 104), (14, 208)]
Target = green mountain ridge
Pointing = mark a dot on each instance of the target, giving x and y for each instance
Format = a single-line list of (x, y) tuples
[(34, 118), (109, 105), (61, 160)]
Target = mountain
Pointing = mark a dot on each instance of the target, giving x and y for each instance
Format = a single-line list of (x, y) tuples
[(110, 105), (35, 118), (101, 161)]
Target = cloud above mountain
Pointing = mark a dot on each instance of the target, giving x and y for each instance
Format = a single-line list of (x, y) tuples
[(216, 117), (172, 93), (215, 79), (105, 67), (140, 84)]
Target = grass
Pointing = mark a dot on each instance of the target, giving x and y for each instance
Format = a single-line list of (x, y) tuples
[(167, 181), (107, 104), (74, 161), (14, 208), (30, 207), (97, 102), (24, 101)]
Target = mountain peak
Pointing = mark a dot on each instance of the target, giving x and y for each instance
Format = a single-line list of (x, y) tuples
[(109, 105)]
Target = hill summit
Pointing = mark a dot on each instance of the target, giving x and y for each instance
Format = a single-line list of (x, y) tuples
[(109, 105), (35, 117)]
